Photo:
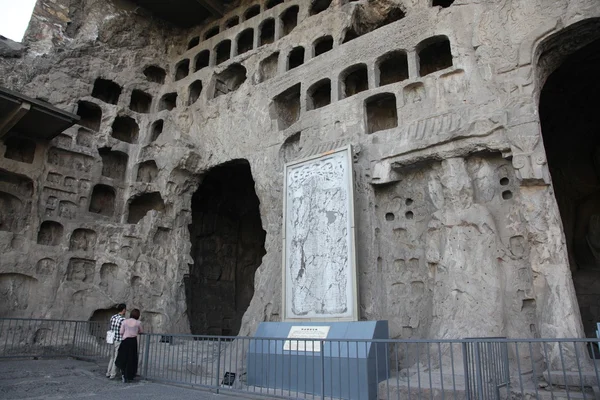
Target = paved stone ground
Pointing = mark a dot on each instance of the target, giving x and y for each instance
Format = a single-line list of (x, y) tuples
[(75, 379)]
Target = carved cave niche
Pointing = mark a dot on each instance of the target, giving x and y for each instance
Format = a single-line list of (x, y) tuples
[(231, 22), (434, 54), (245, 41), (100, 318), (251, 12), (568, 103), (45, 266), (381, 112), (364, 21), (319, 94), (212, 32), (155, 74), (84, 138), (182, 69), (267, 32), (82, 239), (392, 67), (442, 3), (156, 129), (202, 60), (267, 68), (323, 45), (147, 172), (289, 20), (227, 248), (106, 90), (229, 80), (195, 41), (108, 275), (353, 80), (291, 147), (168, 102), (125, 129), (140, 102), (285, 107), (74, 161), (19, 149), (295, 58), (13, 215), (81, 270), (318, 6), (194, 92), (90, 115), (114, 163), (17, 184), (103, 200), (50, 233), (223, 51), (140, 205), (16, 292), (272, 3)]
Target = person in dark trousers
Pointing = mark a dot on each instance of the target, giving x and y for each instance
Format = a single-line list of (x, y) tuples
[(127, 358), (115, 326)]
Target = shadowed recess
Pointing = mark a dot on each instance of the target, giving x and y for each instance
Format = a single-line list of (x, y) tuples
[(227, 248)]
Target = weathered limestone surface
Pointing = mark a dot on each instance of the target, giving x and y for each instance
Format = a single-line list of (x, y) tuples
[(457, 220)]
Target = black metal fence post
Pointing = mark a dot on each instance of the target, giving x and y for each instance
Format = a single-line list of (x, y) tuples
[(218, 364)]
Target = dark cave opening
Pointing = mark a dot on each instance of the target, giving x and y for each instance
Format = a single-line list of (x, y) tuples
[(569, 118), (228, 243)]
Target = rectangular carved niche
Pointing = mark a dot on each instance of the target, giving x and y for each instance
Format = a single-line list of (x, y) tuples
[(381, 112), (268, 67), (81, 270), (286, 107)]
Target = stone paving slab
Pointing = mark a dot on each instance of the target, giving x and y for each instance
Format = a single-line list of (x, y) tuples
[(75, 379)]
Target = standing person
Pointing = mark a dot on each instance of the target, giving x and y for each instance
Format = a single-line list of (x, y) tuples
[(127, 359), (115, 326)]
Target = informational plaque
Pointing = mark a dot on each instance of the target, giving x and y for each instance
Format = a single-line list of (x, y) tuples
[(301, 333), (319, 281)]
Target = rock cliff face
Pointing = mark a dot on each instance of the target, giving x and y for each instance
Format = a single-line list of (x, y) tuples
[(472, 135)]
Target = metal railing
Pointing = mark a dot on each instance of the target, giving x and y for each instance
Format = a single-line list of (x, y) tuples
[(473, 369), (23, 337)]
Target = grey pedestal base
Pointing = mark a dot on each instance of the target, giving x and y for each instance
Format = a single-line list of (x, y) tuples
[(345, 367)]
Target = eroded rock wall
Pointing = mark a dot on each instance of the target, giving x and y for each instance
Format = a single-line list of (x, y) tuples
[(455, 211)]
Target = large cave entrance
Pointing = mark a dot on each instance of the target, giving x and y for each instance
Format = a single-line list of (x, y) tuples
[(570, 118), (228, 243)]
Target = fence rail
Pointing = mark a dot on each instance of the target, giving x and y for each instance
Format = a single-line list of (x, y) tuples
[(468, 369)]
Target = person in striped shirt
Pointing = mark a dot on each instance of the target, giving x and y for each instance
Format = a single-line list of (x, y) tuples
[(115, 326)]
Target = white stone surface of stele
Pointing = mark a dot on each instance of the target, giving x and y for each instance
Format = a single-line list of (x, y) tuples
[(319, 262)]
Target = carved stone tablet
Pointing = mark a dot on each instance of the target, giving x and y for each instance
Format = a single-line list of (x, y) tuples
[(319, 270)]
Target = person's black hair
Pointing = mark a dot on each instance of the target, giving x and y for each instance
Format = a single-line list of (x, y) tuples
[(135, 314), (121, 307)]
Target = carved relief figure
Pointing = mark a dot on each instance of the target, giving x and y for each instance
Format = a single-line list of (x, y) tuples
[(462, 243)]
